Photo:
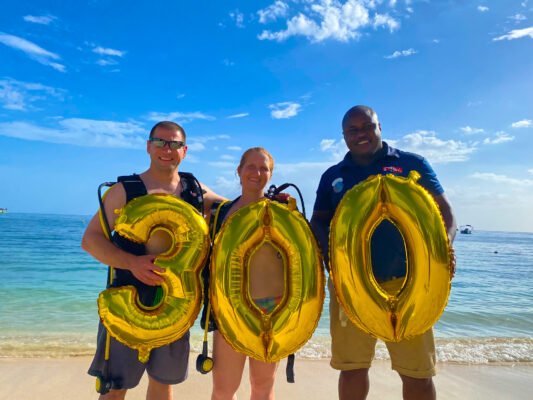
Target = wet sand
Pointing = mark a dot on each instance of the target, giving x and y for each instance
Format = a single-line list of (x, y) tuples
[(43, 379)]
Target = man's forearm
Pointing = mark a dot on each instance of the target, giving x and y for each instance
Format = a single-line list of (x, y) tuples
[(322, 235), (106, 252)]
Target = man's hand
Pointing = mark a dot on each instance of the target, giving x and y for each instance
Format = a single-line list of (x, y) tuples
[(144, 269), (282, 197), (453, 260)]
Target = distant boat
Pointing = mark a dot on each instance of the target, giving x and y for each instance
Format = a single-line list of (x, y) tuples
[(467, 229), (3, 210)]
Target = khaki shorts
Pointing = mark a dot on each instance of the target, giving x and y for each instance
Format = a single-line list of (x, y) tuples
[(351, 348)]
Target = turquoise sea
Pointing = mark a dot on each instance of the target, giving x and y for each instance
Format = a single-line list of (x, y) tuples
[(49, 288)]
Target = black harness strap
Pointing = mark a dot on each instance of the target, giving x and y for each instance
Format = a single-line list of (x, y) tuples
[(133, 185), (224, 208), (192, 191)]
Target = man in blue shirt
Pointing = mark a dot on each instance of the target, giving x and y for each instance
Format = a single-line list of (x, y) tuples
[(353, 349)]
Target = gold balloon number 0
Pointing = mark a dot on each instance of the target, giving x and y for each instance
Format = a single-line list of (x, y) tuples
[(418, 305), (266, 337), (144, 328)]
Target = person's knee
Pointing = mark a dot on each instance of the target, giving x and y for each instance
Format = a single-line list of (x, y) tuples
[(416, 382), (418, 387), (355, 375), (353, 384), (262, 384), (224, 389), (114, 394), (158, 390)]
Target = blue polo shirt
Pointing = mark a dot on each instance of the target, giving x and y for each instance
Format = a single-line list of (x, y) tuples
[(388, 251)]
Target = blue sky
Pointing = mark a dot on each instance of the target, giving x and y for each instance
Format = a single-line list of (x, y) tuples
[(82, 84)]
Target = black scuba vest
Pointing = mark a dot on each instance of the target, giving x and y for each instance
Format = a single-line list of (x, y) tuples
[(134, 187)]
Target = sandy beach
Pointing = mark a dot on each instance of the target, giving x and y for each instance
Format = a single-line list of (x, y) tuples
[(66, 378)]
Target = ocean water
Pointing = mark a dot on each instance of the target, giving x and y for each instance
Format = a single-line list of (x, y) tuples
[(49, 288)]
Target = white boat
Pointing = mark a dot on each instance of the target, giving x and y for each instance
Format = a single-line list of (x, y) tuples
[(467, 229)]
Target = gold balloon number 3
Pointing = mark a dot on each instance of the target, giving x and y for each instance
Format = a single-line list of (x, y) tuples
[(144, 328), (273, 336), (421, 300)]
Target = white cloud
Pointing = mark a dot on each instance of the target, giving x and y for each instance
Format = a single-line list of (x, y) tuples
[(81, 132), (227, 187), (331, 19), (15, 95), (234, 148), (195, 146), (12, 98), (227, 157), (501, 137), (530, 171), (499, 178), (108, 52), (272, 12), (471, 131), (386, 20), (43, 19), (181, 96), (178, 116), (518, 17), (241, 115), (228, 63), (238, 17), (402, 53), (205, 139), (305, 175), (482, 8), (284, 110), (222, 164), (517, 34), (525, 123), (427, 144), (33, 51), (103, 62), (198, 143), (335, 148), (299, 25)]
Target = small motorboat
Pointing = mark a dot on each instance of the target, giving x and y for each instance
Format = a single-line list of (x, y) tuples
[(466, 229)]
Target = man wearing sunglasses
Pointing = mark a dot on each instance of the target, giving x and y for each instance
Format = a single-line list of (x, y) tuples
[(352, 349), (134, 265)]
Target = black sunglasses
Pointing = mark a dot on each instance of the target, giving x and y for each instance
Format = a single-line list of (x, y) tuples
[(172, 144)]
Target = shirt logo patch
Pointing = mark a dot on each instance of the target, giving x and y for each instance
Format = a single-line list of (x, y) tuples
[(338, 185), (394, 170)]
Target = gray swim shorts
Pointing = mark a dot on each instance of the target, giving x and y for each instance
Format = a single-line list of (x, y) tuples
[(167, 364)]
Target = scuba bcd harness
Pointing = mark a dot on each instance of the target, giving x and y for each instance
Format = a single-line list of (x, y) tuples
[(191, 192), (204, 363)]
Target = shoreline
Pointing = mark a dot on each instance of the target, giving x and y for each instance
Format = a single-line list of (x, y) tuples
[(194, 354), (455, 351), (49, 378)]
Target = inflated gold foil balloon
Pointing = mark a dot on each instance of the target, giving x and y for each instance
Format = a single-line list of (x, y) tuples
[(144, 328), (266, 337), (419, 303)]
